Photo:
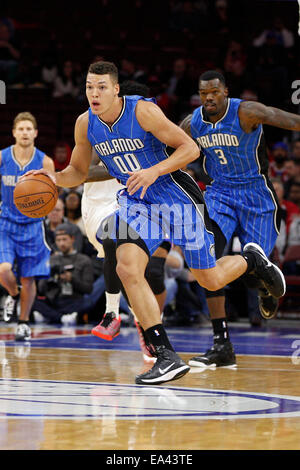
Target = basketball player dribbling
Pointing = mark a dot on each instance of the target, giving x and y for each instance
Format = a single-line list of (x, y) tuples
[(99, 200), (130, 135), (241, 199), (22, 238)]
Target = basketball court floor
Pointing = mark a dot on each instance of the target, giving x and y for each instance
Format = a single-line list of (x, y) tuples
[(68, 390)]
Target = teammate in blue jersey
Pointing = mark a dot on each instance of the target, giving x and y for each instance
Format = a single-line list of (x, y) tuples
[(130, 135), (23, 245), (240, 198)]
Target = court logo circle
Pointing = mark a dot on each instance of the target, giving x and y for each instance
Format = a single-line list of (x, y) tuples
[(70, 400)]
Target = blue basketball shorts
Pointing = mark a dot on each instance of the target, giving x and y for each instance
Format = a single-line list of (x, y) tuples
[(178, 214), (25, 246), (249, 211)]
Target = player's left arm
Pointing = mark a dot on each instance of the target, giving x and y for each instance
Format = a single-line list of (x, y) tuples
[(48, 163), (152, 119), (252, 113)]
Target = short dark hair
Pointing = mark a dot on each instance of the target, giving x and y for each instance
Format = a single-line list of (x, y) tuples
[(211, 75), (104, 68), (130, 87)]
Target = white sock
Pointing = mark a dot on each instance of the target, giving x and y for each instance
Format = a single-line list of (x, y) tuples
[(112, 303)]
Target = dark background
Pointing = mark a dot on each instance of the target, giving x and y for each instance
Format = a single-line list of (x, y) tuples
[(145, 38)]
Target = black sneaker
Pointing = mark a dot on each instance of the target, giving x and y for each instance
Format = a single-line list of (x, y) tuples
[(168, 367), (268, 305), (269, 273), (10, 309), (220, 355)]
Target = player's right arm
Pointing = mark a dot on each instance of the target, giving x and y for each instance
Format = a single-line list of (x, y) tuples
[(97, 171), (77, 170)]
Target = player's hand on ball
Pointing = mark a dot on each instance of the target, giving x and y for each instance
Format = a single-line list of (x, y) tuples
[(141, 179), (42, 171)]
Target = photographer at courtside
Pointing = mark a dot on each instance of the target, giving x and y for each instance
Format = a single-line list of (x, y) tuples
[(70, 286)]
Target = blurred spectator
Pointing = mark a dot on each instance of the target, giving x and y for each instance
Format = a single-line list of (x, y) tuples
[(249, 95), (73, 209), (280, 155), (157, 90), (234, 66), (128, 71), (195, 102), (235, 59), (186, 301), (66, 83), (221, 17), (289, 209), (278, 32), (296, 150), (49, 71), (186, 17), (61, 155), (180, 89), (55, 218), (68, 290), (173, 266), (294, 235), (292, 172), (270, 71), (9, 51), (294, 194)]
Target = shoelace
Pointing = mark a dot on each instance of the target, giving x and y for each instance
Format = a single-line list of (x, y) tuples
[(108, 318)]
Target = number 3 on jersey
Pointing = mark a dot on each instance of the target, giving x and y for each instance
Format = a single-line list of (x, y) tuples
[(221, 156), (127, 163)]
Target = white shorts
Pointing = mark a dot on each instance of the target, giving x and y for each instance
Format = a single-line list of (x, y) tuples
[(92, 216)]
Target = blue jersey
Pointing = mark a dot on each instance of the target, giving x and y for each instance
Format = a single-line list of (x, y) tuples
[(231, 156), (126, 146), (172, 206), (240, 198), (11, 171)]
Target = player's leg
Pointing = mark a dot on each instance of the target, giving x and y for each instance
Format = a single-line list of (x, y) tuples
[(109, 326), (259, 216), (94, 216), (221, 354), (7, 277), (27, 297), (9, 282), (230, 268), (33, 261), (155, 275), (132, 258)]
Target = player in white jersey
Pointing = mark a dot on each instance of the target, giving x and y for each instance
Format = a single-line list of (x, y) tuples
[(99, 200)]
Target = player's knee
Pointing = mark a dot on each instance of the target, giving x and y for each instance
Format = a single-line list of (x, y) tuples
[(155, 274), (128, 272), (210, 281), (5, 270), (213, 285)]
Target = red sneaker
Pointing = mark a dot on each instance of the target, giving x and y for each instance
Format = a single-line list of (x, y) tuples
[(146, 347), (109, 327)]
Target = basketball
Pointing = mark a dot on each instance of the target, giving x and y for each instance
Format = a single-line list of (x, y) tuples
[(35, 195)]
